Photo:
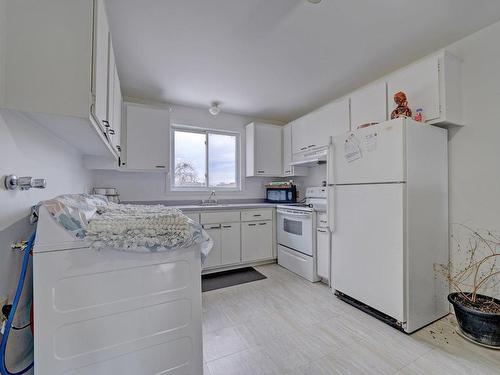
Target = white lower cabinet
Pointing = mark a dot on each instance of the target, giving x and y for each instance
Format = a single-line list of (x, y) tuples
[(214, 258), (256, 240), (230, 243), (239, 236), (227, 244)]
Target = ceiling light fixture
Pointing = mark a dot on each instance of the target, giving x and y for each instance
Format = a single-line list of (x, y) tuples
[(214, 109)]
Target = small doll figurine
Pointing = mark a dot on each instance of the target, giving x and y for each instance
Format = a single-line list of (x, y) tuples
[(402, 110)]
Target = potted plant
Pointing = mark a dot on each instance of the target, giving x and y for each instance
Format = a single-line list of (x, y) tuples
[(477, 313)]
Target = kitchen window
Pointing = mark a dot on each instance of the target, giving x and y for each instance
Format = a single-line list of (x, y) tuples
[(204, 159)]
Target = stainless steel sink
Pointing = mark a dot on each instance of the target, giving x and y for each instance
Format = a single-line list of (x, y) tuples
[(213, 205)]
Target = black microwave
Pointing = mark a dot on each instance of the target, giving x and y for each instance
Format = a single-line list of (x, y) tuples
[(281, 195)]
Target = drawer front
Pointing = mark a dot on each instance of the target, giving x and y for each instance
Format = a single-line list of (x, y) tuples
[(219, 217), (256, 215)]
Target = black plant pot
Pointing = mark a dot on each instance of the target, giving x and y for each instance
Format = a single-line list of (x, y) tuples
[(478, 326)]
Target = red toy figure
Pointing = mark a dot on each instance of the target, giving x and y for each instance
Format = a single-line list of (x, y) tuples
[(402, 110)]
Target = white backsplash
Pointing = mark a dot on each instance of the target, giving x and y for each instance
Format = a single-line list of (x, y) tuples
[(315, 177)]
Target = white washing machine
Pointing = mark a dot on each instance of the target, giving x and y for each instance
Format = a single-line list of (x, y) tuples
[(105, 312)]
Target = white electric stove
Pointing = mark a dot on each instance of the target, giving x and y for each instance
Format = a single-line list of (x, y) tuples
[(297, 226)]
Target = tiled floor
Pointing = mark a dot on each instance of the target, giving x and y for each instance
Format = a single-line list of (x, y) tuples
[(286, 325)]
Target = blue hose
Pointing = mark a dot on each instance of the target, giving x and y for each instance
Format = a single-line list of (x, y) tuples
[(10, 320)]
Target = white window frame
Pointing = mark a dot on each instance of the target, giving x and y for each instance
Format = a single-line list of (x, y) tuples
[(205, 131)]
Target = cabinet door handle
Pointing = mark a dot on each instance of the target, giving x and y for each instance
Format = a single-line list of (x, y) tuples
[(321, 230), (311, 146), (111, 131), (118, 147), (159, 166), (262, 223), (211, 227), (226, 226), (257, 215), (261, 171), (252, 225), (287, 172), (303, 148), (106, 123)]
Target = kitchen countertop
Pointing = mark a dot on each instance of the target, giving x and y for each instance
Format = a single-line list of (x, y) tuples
[(229, 204), (225, 206)]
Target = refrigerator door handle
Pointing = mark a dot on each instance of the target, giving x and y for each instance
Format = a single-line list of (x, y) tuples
[(330, 176), (330, 164), (331, 208)]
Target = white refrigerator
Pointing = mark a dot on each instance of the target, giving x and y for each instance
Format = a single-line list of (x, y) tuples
[(388, 214)]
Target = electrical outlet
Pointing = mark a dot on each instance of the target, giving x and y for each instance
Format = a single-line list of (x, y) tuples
[(3, 301)]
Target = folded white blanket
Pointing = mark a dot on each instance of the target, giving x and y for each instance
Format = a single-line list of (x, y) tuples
[(132, 226)]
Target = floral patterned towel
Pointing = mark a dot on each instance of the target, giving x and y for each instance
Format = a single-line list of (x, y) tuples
[(73, 211), (140, 228)]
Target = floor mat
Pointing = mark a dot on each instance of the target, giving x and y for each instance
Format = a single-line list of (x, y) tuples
[(224, 279)]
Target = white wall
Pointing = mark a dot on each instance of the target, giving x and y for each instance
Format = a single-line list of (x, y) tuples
[(27, 149), (3, 21), (475, 149), (154, 186)]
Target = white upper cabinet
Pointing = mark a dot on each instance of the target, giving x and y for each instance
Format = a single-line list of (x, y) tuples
[(57, 69), (114, 105), (333, 119), (263, 150), (432, 84), (117, 116), (301, 134), (290, 170), (102, 65), (369, 104), (315, 129), (147, 135)]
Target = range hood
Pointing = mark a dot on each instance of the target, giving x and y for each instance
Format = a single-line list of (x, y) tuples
[(310, 158)]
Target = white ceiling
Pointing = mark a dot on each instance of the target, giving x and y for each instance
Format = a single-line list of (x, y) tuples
[(277, 59)]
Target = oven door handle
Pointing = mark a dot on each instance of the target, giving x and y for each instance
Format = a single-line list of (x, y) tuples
[(293, 213)]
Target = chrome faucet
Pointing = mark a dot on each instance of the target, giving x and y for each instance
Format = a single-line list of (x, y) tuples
[(210, 200)]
